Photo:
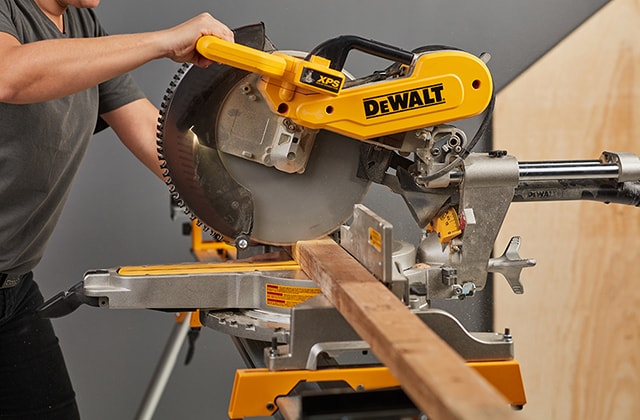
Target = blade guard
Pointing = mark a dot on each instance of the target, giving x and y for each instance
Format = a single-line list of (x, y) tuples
[(198, 178)]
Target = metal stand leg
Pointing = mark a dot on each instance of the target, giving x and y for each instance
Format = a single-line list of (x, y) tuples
[(164, 369)]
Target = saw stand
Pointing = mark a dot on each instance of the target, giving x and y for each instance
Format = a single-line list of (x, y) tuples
[(165, 366), (185, 322)]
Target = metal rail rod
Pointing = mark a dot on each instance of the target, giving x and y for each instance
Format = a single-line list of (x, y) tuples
[(587, 169), (559, 170)]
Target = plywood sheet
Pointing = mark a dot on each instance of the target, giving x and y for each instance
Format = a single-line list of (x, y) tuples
[(577, 327)]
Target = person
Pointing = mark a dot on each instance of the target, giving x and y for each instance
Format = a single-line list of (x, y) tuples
[(61, 78)]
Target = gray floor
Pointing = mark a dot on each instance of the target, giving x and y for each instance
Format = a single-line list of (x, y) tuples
[(118, 214)]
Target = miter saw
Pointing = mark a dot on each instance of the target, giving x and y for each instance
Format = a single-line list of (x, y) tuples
[(265, 148)]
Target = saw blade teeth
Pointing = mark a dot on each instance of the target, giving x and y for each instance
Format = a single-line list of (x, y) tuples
[(175, 196)]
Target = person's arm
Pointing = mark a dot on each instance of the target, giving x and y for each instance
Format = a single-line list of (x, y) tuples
[(50, 69), (135, 124)]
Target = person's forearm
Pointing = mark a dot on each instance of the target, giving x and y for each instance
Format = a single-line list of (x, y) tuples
[(136, 125), (54, 68), (51, 69)]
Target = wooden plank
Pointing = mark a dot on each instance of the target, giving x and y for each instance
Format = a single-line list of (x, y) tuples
[(576, 328), (434, 376)]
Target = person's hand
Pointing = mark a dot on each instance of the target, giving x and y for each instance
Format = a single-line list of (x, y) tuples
[(181, 40)]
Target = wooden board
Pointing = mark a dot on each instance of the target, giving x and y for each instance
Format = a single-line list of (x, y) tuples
[(577, 327), (431, 373)]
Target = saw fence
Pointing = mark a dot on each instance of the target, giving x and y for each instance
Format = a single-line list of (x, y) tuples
[(430, 372)]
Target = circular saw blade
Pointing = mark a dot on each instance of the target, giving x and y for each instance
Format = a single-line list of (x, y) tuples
[(236, 197)]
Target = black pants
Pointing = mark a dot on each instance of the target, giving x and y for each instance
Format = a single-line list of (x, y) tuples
[(34, 383)]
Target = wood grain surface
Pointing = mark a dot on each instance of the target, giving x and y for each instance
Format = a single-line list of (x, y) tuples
[(577, 327), (434, 376)]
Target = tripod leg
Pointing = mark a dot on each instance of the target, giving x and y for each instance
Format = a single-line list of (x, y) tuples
[(164, 368)]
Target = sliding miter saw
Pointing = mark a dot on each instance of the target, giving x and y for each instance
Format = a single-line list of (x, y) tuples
[(270, 147), (265, 148), (297, 117)]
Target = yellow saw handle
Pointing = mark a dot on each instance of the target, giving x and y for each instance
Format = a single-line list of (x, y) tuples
[(241, 56), (288, 72)]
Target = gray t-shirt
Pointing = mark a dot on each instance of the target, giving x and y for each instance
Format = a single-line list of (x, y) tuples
[(42, 144)]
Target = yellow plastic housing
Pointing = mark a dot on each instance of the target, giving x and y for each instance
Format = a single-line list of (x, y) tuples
[(255, 391), (439, 87)]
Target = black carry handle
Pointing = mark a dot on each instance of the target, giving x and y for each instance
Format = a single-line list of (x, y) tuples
[(337, 49)]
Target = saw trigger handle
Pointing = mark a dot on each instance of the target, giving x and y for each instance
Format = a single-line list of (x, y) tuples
[(337, 49)]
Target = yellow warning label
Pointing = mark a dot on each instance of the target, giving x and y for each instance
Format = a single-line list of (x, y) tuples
[(447, 225), (375, 239), (288, 296)]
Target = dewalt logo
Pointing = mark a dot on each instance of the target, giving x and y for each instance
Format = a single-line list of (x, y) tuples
[(321, 80), (407, 100)]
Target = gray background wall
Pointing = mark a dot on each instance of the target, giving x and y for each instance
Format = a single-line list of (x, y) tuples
[(118, 213)]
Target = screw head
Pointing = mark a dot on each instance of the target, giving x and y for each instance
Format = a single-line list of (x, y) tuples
[(242, 242)]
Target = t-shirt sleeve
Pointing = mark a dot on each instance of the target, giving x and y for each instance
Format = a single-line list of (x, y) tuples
[(6, 23), (118, 91), (115, 93)]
